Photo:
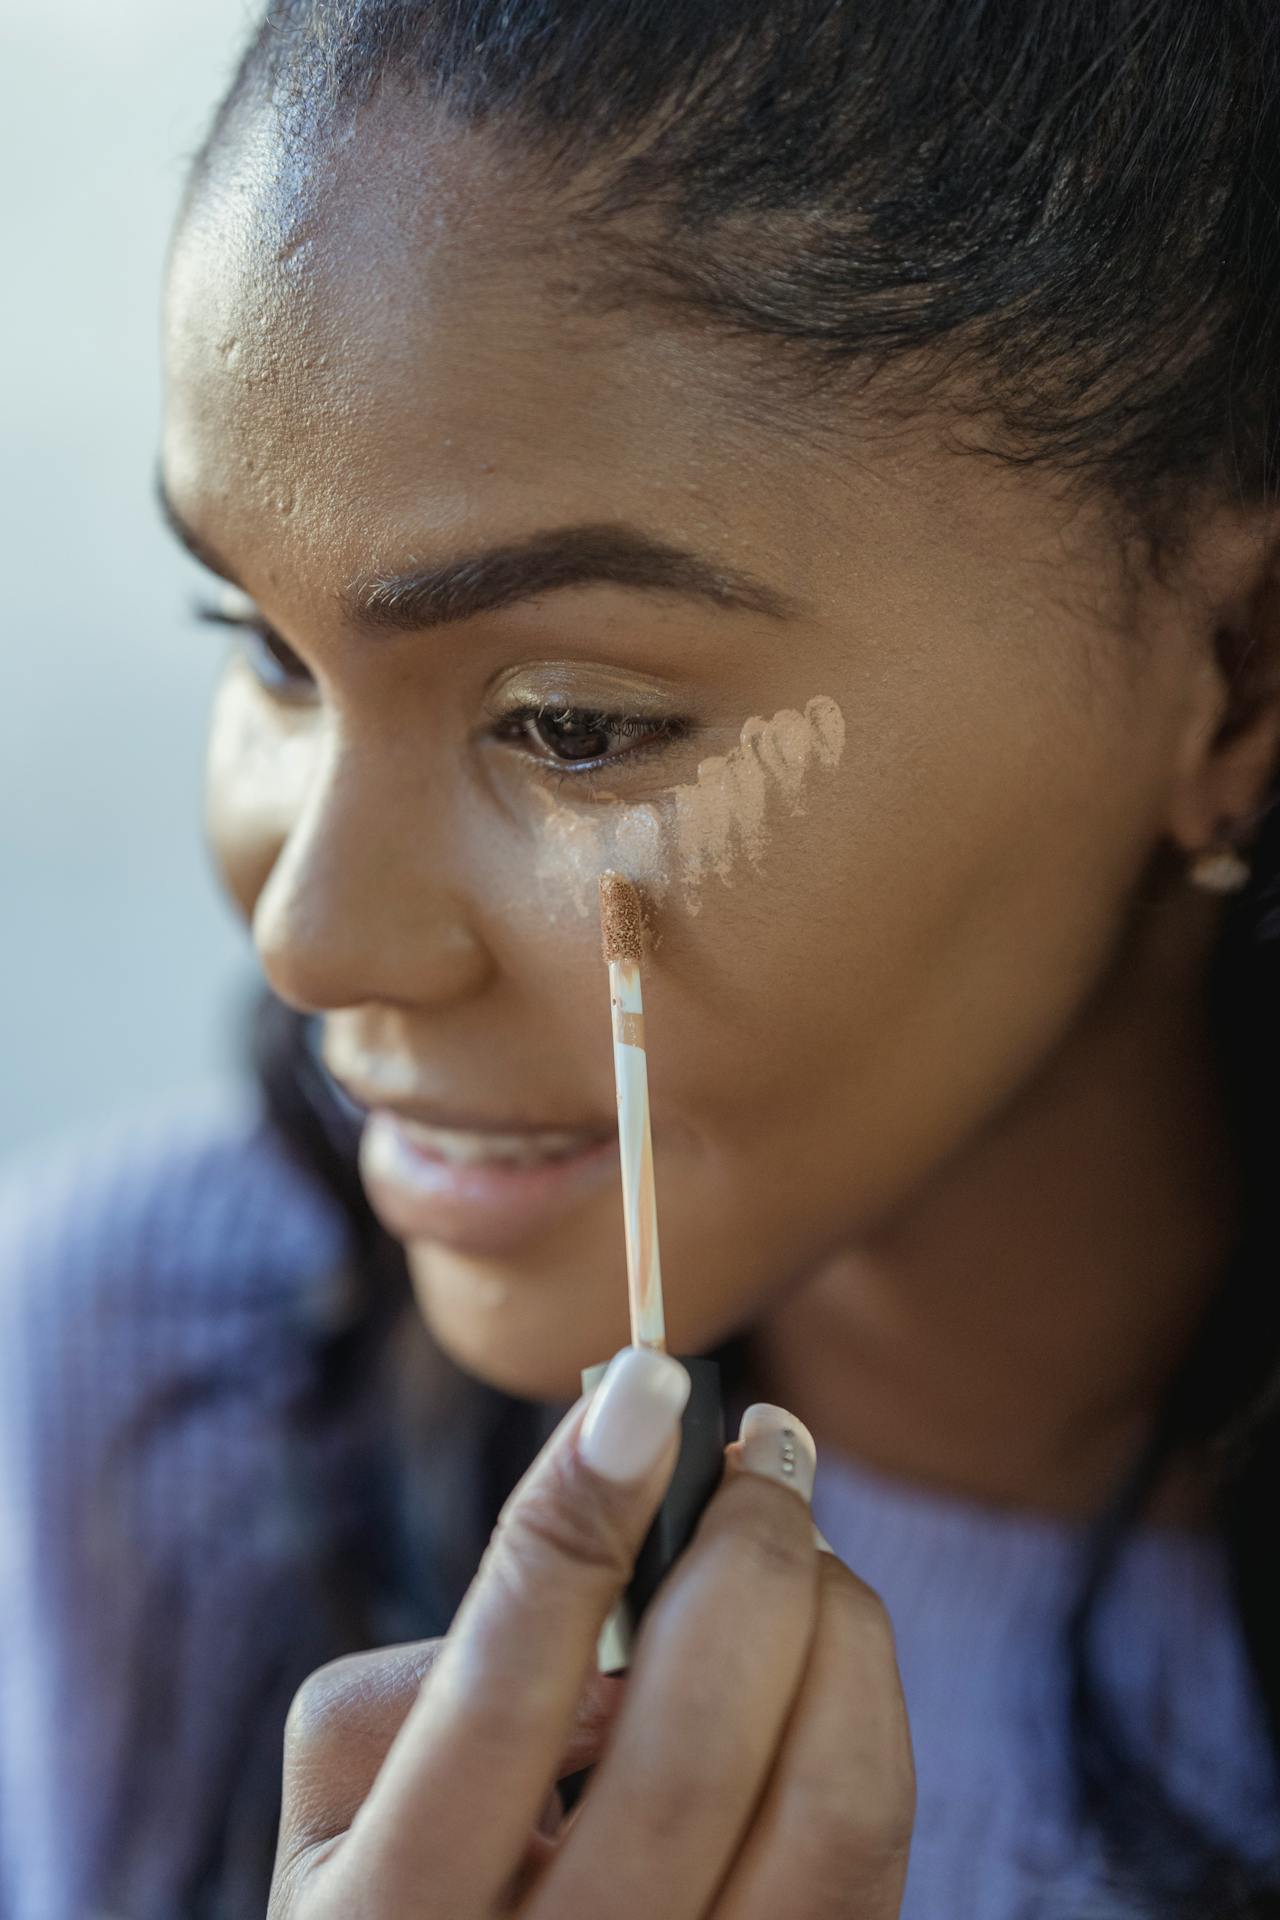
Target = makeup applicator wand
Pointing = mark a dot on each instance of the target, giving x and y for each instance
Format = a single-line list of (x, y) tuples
[(701, 1459)]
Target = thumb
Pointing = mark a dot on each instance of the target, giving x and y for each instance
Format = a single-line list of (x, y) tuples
[(482, 1743)]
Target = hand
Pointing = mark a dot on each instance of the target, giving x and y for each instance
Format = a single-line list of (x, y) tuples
[(754, 1762)]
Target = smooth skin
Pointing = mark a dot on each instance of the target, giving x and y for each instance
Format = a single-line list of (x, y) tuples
[(935, 1113)]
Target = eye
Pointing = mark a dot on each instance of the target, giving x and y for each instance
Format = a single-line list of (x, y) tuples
[(582, 737), (273, 661)]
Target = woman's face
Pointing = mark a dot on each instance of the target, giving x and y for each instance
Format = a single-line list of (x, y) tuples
[(872, 919)]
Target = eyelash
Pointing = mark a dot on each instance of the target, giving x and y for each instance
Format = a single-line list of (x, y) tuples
[(270, 658), (650, 733), (285, 677)]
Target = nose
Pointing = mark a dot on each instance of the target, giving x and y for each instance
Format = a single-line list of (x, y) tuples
[(361, 905)]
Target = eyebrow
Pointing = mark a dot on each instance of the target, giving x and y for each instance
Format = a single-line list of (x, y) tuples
[(593, 553)]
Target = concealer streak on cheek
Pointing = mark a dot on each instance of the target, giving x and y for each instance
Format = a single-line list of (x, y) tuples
[(716, 825)]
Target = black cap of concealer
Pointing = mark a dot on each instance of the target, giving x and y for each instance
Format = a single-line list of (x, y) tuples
[(696, 1477)]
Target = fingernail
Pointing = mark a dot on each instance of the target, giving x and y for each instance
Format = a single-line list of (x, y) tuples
[(821, 1542), (778, 1446), (633, 1414)]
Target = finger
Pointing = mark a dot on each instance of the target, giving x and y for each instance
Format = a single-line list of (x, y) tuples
[(462, 1787), (593, 1721), (716, 1667), (346, 1715), (832, 1833), (343, 1720)]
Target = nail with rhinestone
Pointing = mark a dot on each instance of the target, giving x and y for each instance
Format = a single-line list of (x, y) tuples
[(778, 1446)]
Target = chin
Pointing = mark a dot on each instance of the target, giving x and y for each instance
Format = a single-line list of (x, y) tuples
[(526, 1333)]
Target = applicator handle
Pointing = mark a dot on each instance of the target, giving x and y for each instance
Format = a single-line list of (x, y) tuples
[(696, 1477)]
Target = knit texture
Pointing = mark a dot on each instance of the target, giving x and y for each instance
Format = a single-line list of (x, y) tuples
[(162, 1290)]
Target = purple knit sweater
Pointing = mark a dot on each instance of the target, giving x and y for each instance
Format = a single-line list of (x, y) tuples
[(161, 1285)]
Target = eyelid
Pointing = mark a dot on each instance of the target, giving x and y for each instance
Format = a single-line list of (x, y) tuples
[(584, 687)]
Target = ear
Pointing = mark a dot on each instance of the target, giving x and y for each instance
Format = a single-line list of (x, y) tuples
[(1230, 758)]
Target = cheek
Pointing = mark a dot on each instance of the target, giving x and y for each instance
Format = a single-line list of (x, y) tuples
[(716, 827), (258, 768), (910, 949)]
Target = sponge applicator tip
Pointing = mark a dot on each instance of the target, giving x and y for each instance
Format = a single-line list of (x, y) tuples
[(621, 919)]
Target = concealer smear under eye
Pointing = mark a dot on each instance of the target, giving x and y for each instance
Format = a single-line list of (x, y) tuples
[(715, 825)]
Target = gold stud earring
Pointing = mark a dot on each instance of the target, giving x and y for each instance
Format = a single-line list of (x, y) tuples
[(1220, 868)]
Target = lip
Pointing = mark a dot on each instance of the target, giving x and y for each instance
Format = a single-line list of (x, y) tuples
[(481, 1206)]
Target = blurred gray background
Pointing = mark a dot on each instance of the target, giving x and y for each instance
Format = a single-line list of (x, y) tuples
[(121, 970)]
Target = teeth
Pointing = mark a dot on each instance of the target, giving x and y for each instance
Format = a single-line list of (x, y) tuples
[(473, 1149)]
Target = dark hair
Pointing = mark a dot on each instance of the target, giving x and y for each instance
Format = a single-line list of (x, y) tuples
[(1059, 216)]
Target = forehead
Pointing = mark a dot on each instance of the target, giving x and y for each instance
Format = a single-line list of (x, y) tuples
[(385, 331)]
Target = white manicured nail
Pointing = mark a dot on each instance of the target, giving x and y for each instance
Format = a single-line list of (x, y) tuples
[(778, 1446), (634, 1414), (821, 1542)]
